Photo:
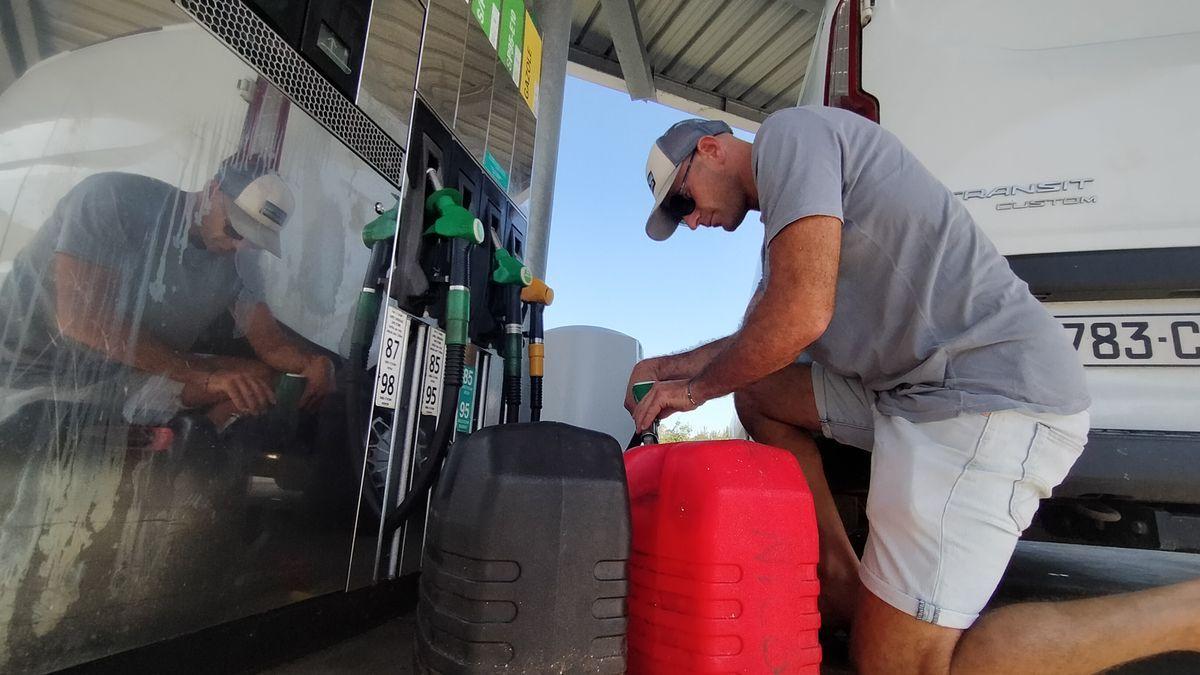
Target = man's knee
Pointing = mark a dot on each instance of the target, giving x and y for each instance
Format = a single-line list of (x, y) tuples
[(783, 397), (751, 405), (886, 640), (746, 404)]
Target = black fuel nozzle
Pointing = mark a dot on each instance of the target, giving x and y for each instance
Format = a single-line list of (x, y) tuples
[(648, 436)]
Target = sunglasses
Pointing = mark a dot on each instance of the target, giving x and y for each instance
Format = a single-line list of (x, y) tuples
[(678, 206), (230, 232)]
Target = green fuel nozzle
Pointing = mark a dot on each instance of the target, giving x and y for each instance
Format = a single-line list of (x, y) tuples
[(463, 230), (452, 220), (509, 271), (513, 275), (383, 227), (377, 235), (649, 436)]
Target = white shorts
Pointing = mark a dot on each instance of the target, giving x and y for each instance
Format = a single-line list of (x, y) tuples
[(948, 499)]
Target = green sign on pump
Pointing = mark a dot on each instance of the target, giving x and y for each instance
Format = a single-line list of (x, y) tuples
[(493, 167), (487, 15), (465, 413), (512, 37)]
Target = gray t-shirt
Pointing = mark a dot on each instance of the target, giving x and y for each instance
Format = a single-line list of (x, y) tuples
[(167, 286), (928, 313)]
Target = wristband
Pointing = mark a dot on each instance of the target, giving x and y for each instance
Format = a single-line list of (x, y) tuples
[(689, 393)]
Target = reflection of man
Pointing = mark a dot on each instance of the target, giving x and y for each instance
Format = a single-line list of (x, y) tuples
[(126, 274)]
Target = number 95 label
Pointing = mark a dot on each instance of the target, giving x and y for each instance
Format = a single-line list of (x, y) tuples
[(435, 364), (1135, 340)]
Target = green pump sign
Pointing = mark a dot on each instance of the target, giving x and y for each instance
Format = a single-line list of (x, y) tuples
[(510, 30), (465, 413), (487, 15), (512, 37)]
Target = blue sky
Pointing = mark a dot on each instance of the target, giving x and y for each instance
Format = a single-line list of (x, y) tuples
[(669, 295)]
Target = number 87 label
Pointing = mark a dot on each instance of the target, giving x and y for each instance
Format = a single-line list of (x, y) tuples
[(392, 350), (1135, 340)]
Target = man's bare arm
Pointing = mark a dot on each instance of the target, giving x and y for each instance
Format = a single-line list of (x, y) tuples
[(282, 353), (690, 363), (270, 343), (794, 309), (84, 295)]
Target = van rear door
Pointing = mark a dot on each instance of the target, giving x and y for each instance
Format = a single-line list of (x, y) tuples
[(1069, 131)]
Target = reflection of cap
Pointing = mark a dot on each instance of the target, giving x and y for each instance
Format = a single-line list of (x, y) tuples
[(667, 153), (263, 203)]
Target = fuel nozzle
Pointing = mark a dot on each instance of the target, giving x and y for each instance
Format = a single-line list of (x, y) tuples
[(513, 275), (538, 296), (376, 235), (649, 436), (451, 221), (462, 230), (383, 227)]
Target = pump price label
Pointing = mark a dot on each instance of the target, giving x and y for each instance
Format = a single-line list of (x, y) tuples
[(466, 402), (435, 367), (392, 351)]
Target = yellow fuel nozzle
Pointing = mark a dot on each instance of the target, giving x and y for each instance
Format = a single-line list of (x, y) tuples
[(537, 293)]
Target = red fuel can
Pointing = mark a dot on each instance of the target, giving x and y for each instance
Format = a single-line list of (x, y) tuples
[(723, 571)]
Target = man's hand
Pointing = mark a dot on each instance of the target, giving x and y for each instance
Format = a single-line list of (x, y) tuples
[(646, 370), (250, 393), (665, 398), (319, 372)]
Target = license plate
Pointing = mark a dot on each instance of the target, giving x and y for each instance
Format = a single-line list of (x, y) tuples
[(1135, 339)]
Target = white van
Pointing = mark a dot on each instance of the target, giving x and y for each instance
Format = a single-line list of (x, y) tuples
[(1068, 129)]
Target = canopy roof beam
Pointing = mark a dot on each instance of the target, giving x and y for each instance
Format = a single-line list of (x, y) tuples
[(626, 31)]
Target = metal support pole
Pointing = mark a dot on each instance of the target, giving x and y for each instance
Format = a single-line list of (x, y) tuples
[(554, 20)]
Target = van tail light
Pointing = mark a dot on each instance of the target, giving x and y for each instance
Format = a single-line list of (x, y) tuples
[(843, 69)]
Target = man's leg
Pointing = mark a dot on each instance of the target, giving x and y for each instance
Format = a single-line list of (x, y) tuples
[(780, 411), (1078, 636), (948, 501)]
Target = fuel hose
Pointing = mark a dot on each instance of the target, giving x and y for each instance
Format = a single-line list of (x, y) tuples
[(463, 230)]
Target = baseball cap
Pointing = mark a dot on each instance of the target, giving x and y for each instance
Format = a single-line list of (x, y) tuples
[(667, 153), (262, 203)]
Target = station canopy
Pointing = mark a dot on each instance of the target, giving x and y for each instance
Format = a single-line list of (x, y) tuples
[(736, 61)]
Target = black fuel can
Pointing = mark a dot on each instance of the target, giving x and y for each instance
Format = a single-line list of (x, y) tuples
[(524, 569)]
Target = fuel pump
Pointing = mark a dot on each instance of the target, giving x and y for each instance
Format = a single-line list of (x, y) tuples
[(538, 296), (513, 275), (462, 230)]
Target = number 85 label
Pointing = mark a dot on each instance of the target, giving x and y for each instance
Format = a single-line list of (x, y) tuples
[(435, 363), (1135, 340)]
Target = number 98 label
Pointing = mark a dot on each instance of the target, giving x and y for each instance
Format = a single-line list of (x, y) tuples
[(392, 350)]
